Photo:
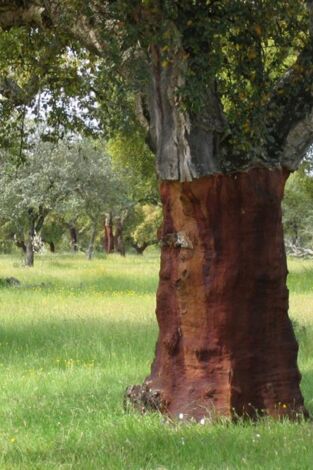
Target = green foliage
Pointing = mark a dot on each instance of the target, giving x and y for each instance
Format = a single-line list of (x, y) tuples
[(72, 181), (143, 224), (131, 155), (298, 208), (88, 79), (53, 229)]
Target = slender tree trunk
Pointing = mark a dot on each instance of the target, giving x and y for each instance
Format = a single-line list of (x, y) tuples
[(118, 237), (52, 247), (90, 250), (226, 346), (29, 254), (73, 239), (108, 234)]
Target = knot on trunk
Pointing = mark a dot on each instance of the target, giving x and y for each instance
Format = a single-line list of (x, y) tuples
[(144, 399), (176, 240)]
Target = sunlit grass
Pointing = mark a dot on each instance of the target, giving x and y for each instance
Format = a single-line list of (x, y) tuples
[(75, 334)]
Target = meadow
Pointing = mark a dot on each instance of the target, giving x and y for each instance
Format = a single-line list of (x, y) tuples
[(75, 334)]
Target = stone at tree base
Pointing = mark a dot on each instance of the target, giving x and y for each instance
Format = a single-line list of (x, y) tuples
[(226, 346)]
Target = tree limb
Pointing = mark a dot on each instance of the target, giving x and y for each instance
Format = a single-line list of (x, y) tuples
[(290, 109)]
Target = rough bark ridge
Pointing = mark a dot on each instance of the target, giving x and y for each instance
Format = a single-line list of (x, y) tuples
[(226, 345), (187, 146)]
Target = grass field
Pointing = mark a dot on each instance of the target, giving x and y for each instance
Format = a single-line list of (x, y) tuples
[(76, 333)]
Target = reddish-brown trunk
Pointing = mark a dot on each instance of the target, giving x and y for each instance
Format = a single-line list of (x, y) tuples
[(226, 345), (108, 239)]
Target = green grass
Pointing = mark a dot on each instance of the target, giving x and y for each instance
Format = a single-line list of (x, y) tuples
[(75, 334)]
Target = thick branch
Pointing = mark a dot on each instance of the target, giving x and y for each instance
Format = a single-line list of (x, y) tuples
[(290, 112)]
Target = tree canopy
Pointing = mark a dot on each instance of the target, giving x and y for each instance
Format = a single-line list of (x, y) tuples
[(219, 85)]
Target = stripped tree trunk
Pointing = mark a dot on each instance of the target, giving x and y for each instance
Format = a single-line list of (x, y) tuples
[(108, 234), (73, 239), (226, 345)]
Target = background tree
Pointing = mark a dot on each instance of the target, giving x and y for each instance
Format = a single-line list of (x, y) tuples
[(142, 226), (97, 188), (298, 211), (72, 180), (30, 191)]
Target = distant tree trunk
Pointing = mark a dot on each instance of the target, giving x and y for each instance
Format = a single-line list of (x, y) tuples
[(73, 239), (90, 250), (108, 240), (29, 254), (118, 237), (52, 247)]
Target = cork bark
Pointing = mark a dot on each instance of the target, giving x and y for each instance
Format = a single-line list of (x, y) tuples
[(226, 346)]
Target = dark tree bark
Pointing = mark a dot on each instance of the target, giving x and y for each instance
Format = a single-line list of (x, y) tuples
[(108, 240), (118, 237), (52, 247), (73, 239), (226, 345)]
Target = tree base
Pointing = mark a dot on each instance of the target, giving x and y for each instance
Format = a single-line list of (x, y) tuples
[(226, 346)]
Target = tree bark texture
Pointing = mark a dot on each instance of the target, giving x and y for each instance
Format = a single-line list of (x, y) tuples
[(226, 346), (108, 234)]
